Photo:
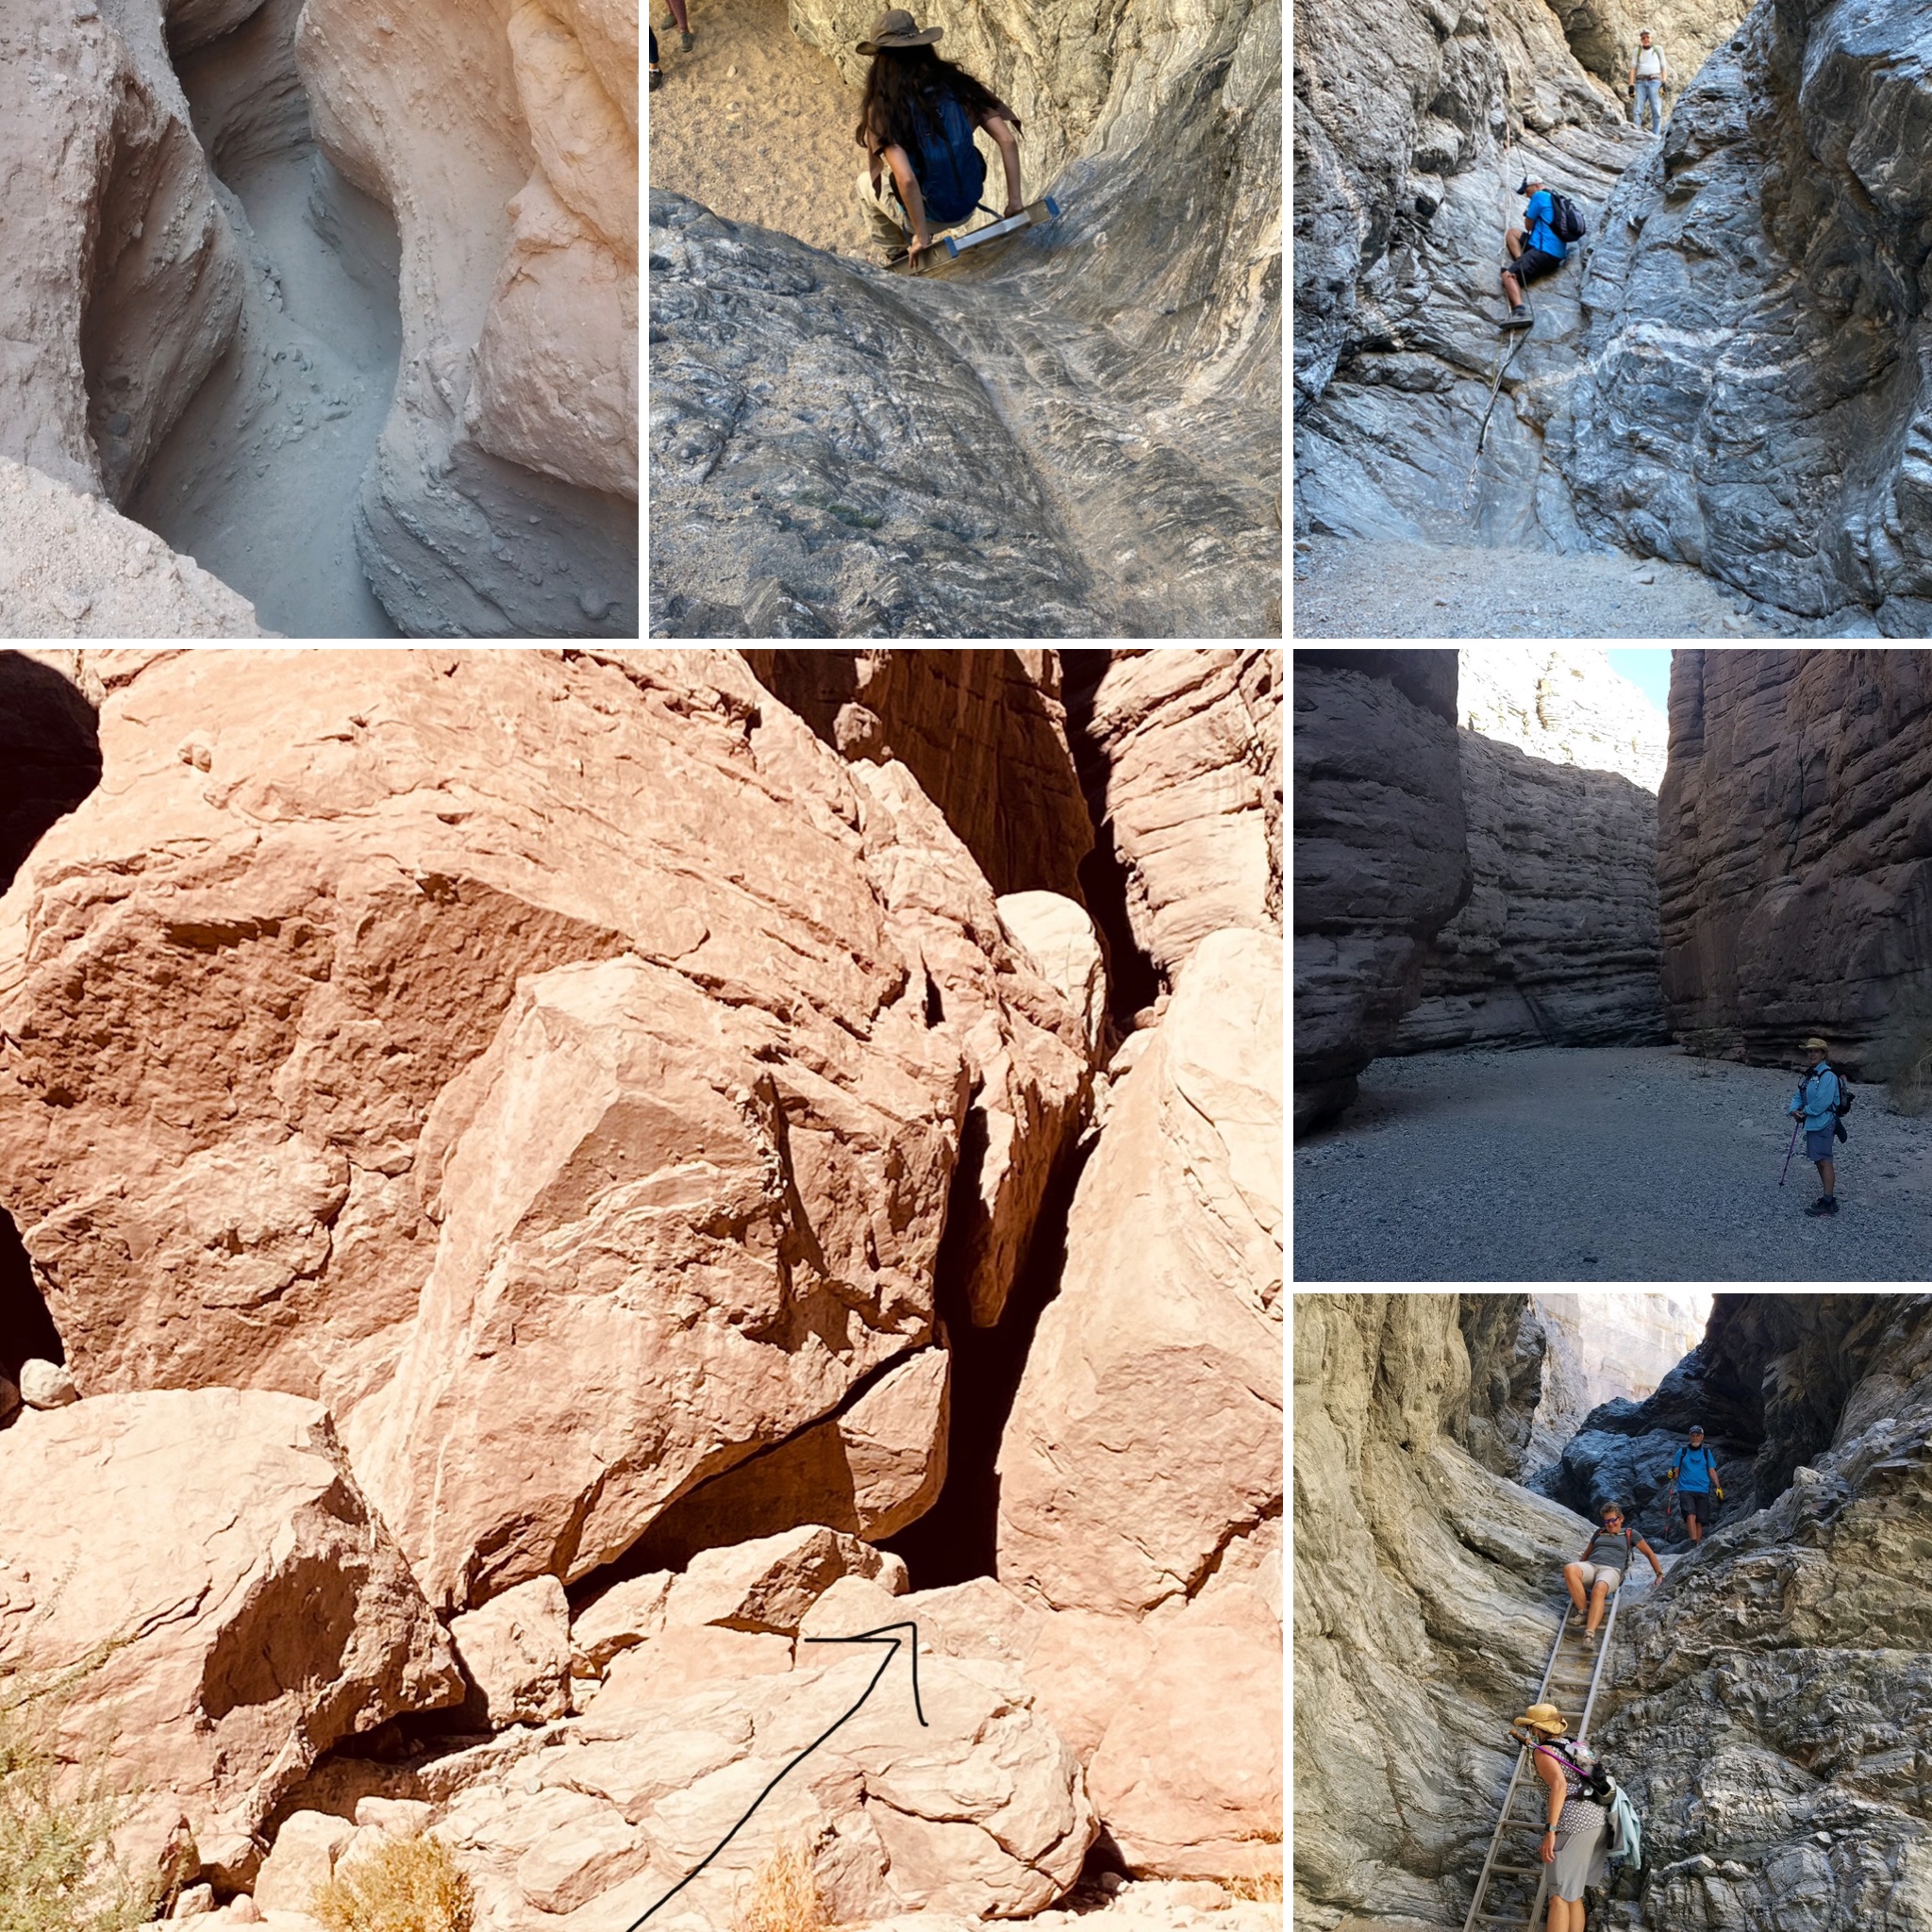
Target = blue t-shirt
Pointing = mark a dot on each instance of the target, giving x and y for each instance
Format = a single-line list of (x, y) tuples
[(1537, 218), (1817, 1095), (1694, 1471)]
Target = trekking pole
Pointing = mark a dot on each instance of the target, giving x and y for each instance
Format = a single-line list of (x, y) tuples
[(1789, 1151)]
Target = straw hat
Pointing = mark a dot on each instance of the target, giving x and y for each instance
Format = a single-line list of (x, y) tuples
[(1544, 1719), (1816, 1045), (897, 28)]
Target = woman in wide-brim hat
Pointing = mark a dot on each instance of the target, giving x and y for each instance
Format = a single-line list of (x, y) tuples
[(917, 121), (1576, 1843)]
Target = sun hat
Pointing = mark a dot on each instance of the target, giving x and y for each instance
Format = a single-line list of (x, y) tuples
[(1816, 1045), (1544, 1719), (896, 28)]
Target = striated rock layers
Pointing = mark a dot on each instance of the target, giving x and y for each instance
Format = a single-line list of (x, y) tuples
[(502, 501), (1564, 702), (565, 1067), (1063, 435), (1423, 1609), (1794, 855), (1558, 944), (1755, 397), (256, 1614), (1381, 856)]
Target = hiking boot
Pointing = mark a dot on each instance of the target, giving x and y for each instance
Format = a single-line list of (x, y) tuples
[(1823, 1205), (656, 81), (1519, 317), (1831, 1204), (687, 42)]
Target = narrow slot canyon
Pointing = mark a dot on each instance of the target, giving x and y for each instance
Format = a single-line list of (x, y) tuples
[(258, 480)]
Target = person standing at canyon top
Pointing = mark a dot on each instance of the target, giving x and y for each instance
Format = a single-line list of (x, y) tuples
[(1818, 1103), (1650, 74), (1695, 1477), (1603, 1575), (1534, 249), (917, 119)]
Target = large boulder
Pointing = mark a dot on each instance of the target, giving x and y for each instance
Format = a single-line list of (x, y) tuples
[(980, 1810), (502, 500), (1381, 855), (567, 1058), (1146, 1430), (515, 1652), (254, 1610)]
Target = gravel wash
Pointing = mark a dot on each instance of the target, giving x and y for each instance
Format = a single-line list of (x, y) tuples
[(1601, 1164)]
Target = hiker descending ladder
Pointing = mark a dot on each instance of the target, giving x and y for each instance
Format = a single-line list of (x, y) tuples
[(1515, 1881)]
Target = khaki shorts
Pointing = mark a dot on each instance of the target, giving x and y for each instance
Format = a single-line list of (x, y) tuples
[(1595, 1573), (891, 227)]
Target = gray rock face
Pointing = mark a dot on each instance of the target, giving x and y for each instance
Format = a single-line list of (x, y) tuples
[(1423, 1608), (1758, 396), (1505, 1334), (1062, 435), (1381, 858), (1773, 1724), (1794, 852), (1557, 945), (1610, 1346)]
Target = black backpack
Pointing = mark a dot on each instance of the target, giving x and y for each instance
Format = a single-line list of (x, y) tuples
[(1566, 224), (1598, 1785)]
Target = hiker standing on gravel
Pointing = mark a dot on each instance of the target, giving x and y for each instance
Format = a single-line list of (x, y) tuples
[(1650, 74), (1695, 1477), (1817, 1103), (1577, 1838), (1601, 1567), (917, 119), (1534, 250)]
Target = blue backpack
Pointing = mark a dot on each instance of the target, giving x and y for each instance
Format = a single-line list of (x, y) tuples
[(950, 167)]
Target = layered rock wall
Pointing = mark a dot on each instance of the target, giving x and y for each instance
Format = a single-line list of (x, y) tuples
[(1381, 855), (1794, 855), (1755, 397)]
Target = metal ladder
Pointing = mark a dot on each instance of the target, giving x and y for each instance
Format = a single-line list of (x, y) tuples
[(1503, 1894)]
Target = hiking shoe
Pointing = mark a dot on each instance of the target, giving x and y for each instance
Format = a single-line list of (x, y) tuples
[(656, 81), (687, 42), (1831, 1204), (1519, 317), (1823, 1205)]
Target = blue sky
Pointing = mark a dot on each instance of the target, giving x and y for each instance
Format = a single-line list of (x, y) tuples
[(1649, 669)]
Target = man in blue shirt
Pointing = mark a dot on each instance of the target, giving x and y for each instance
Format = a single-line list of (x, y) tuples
[(1815, 1102), (1696, 1476), (1534, 250)]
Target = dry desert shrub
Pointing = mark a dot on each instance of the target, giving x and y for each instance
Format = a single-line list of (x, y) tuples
[(1267, 1888), (409, 1885), (58, 1868), (784, 1895)]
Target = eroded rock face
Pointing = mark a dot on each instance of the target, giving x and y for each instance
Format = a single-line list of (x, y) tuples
[(1145, 1434), (1780, 218), (475, 1048), (260, 1612), (1381, 855), (984, 732), (1792, 855), (1181, 751), (1056, 490), (1779, 1697), (1565, 703), (126, 280), (502, 499), (1424, 1607), (1559, 942)]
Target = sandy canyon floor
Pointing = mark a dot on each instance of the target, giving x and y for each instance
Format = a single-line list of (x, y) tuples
[(1601, 1164)]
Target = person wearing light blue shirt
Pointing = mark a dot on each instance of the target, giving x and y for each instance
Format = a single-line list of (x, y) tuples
[(1816, 1103), (1695, 1477)]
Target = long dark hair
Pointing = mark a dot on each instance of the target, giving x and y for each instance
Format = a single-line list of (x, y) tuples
[(901, 94)]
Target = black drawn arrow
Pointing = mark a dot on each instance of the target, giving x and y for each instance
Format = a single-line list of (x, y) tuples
[(882, 1635)]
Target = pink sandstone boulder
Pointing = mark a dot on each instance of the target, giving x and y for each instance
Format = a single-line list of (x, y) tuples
[(559, 1065), (1146, 1431), (1058, 938), (675, 1662), (259, 1610), (515, 1651)]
